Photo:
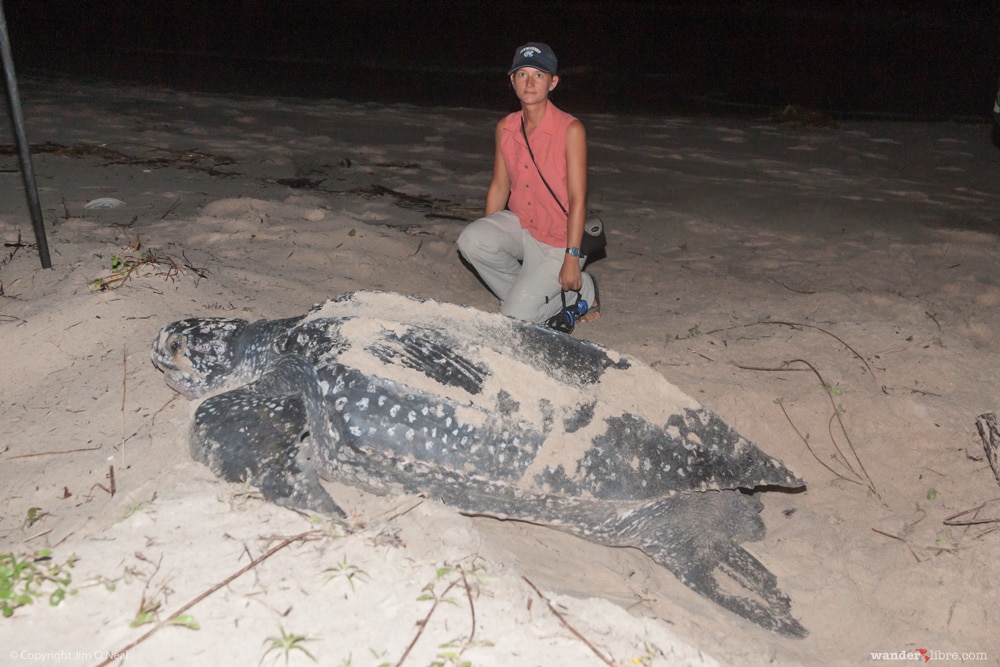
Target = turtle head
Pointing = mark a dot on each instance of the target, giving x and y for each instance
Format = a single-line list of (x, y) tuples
[(201, 355), (198, 355)]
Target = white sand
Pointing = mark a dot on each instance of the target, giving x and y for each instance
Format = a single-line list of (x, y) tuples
[(877, 236)]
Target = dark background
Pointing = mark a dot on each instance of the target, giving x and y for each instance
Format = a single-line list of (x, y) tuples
[(909, 60)]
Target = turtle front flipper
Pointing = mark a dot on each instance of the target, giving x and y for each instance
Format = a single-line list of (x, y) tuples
[(269, 434), (696, 536)]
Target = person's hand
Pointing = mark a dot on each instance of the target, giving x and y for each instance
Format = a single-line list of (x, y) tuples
[(569, 275)]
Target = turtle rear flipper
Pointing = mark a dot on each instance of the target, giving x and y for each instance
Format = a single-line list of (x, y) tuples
[(765, 605), (268, 436), (696, 536)]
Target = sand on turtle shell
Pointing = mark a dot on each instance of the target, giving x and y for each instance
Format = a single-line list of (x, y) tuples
[(737, 246)]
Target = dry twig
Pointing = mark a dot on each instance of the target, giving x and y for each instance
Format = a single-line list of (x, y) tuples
[(64, 451), (798, 325), (566, 624), (124, 375), (963, 519), (129, 264), (858, 477), (422, 625), (113, 655)]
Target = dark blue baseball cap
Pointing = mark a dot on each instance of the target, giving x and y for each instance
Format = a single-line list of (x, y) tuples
[(537, 55)]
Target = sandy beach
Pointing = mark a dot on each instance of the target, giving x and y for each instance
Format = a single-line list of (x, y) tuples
[(829, 289)]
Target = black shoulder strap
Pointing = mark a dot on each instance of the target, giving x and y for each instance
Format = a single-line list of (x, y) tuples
[(551, 191)]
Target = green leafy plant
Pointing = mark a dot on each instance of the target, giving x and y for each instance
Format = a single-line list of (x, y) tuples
[(450, 653), (146, 614), (34, 515), (647, 659), (132, 262), (347, 571), (136, 506), (26, 578), (149, 612), (151, 604), (460, 578), (285, 644)]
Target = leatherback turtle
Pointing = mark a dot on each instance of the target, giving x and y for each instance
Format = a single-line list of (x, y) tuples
[(487, 414)]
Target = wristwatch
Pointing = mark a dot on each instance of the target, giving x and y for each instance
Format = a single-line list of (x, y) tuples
[(573, 252)]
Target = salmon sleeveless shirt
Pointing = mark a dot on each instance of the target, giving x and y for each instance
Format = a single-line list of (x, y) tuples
[(529, 199)]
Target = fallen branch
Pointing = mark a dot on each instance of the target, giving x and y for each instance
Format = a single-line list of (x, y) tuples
[(16, 245), (127, 265), (990, 434), (899, 539), (171, 208), (805, 441), (422, 625), (960, 520), (430, 594), (836, 416), (419, 202), (937, 550), (64, 451), (124, 376), (565, 623), (156, 156), (114, 655), (796, 325)]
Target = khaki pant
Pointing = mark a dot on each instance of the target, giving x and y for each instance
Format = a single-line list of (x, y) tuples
[(521, 271)]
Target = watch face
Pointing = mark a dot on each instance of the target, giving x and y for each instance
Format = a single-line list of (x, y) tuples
[(575, 252)]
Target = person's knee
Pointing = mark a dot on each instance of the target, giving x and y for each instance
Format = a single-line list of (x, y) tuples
[(463, 240), (470, 242), (518, 310), (523, 307)]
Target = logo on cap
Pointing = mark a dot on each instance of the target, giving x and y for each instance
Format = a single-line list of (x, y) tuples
[(534, 54)]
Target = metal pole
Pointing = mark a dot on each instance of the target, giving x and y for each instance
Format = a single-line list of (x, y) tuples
[(27, 171)]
